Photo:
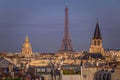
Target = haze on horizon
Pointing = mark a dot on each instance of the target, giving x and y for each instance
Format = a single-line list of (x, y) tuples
[(43, 21)]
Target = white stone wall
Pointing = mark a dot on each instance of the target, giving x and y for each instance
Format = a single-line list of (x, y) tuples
[(116, 74), (88, 73)]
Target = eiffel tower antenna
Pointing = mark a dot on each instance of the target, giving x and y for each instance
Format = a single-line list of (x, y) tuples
[(66, 3)]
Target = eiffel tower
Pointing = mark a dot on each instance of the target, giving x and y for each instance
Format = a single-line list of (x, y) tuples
[(66, 46)]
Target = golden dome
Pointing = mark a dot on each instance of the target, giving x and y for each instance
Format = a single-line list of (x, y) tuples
[(27, 49), (26, 44)]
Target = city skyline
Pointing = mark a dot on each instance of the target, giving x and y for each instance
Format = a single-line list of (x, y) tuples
[(44, 22)]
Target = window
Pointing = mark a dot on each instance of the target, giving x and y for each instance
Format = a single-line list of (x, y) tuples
[(95, 42)]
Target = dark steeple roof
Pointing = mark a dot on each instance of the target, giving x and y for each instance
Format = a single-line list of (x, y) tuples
[(97, 34)]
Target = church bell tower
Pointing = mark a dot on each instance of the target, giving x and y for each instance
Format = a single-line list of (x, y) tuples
[(96, 44)]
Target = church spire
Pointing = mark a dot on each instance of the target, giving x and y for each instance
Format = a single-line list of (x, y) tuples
[(27, 39), (96, 44), (97, 34)]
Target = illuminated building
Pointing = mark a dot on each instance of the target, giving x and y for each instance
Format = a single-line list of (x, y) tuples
[(27, 49)]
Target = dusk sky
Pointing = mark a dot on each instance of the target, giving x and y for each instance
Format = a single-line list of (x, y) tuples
[(43, 21)]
